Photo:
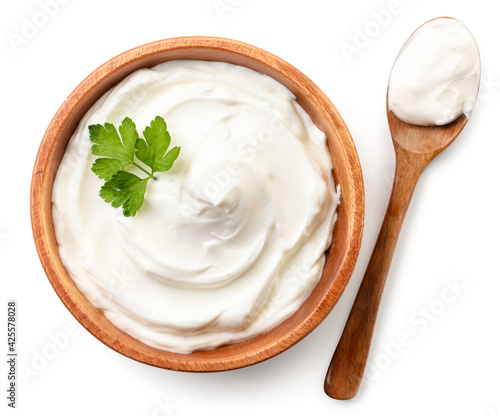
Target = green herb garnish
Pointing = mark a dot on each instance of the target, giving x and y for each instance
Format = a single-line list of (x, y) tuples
[(123, 188)]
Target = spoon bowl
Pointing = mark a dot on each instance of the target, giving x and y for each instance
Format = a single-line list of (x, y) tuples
[(424, 140)]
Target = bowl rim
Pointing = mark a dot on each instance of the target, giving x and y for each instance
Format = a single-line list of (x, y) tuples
[(235, 356)]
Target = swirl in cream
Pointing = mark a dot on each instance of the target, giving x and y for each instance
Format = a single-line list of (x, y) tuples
[(230, 241)]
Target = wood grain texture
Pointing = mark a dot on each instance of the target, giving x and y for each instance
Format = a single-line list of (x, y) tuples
[(415, 147), (341, 257)]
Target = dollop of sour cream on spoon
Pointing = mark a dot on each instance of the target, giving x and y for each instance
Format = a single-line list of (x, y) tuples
[(436, 76)]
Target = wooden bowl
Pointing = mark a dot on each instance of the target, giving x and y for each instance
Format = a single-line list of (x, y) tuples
[(340, 258)]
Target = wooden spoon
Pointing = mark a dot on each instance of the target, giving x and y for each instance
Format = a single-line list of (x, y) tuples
[(415, 147)]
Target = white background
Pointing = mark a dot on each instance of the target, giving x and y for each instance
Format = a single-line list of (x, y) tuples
[(450, 236)]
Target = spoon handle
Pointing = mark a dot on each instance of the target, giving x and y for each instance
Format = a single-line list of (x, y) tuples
[(346, 369)]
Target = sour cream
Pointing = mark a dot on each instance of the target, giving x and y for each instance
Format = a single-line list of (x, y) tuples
[(230, 241), (435, 78)]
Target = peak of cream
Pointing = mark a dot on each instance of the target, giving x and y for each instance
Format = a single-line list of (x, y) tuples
[(231, 241), (436, 76)]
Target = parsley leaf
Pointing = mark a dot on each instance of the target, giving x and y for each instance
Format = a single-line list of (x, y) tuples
[(119, 153), (123, 188), (152, 149), (106, 168)]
